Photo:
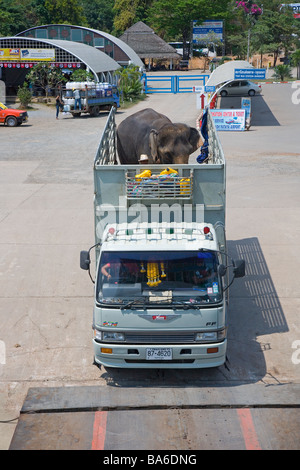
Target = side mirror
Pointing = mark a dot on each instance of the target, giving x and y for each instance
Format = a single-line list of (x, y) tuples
[(85, 260), (239, 268), (222, 270)]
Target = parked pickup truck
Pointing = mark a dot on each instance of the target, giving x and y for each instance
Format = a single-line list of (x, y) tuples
[(162, 268), (12, 117)]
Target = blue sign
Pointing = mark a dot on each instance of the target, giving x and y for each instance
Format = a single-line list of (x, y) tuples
[(209, 26), (209, 89), (249, 74)]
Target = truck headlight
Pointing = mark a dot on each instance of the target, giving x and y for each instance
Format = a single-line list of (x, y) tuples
[(210, 336), (113, 336), (97, 335), (206, 336)]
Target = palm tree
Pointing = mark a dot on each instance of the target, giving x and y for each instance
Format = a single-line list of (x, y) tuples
[(296, 61), (282, 72)]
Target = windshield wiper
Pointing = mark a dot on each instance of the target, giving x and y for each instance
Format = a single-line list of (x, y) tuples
[(184, 305), (134, 302)]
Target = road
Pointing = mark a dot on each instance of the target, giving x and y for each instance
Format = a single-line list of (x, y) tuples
[(46, 218)]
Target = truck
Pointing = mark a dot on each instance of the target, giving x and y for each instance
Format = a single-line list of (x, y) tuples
[(12, 117), (94, 97), (161, 269)]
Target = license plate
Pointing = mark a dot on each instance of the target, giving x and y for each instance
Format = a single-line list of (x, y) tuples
[(159, 354)]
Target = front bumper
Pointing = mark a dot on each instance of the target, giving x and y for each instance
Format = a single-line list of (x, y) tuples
[(133, 356)]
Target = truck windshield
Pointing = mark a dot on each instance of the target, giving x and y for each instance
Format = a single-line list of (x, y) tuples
[(148, 278)]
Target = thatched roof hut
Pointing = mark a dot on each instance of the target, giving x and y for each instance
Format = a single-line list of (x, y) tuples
[(148, 45)]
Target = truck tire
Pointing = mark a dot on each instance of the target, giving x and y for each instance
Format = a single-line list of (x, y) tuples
[(95, 111), (11, 121)]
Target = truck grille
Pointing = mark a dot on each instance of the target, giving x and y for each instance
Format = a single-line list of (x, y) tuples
[(164, 338)]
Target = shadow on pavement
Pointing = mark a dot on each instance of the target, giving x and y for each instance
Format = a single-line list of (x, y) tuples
[(261, 113)]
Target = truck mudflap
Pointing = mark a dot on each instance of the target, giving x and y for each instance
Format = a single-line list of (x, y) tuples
[(162, 356)]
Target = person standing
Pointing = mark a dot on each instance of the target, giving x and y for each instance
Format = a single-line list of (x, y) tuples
[(58, 104), (77, 99)]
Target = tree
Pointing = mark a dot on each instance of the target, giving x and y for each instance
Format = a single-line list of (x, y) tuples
[(99, 14), (261, 37), (128, 12), (46, 76), (173, 18), (66, 11), (280, 28), (13, 16), (296, 61), (130, 83), (252, 13), (81, 75), (282, 72), (24, 95)]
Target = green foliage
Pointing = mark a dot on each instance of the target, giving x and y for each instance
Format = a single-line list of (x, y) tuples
[(46, 76), (128, 12), (130, 84), (282, 72), (99, 14), (81, 75), (66, 11), (24, 95), (274, 31)]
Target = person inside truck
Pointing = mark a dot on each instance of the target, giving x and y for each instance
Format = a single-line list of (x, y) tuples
[(144, 159), (119, 271), (204, 271)]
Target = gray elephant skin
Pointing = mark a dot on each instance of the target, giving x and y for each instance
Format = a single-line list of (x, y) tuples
[(151, 133)]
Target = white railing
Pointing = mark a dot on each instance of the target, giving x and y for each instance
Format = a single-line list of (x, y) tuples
[(106, 152)]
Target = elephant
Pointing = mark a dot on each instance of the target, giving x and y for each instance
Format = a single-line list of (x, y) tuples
[(151, 133)]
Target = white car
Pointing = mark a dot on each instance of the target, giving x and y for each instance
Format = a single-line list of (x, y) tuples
[(240, 87)]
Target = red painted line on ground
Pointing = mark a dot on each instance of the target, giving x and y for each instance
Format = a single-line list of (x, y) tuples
[(99, 430), (248, 430)]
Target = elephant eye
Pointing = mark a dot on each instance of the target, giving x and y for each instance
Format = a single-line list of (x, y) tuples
[(168, 156)]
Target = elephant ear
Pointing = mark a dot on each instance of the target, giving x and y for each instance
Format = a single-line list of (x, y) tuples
[(153, 144), (195, 138)]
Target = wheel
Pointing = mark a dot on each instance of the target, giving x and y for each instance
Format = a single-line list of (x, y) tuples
[(94, 111), (251, 92), (11, 121), (223, 93)]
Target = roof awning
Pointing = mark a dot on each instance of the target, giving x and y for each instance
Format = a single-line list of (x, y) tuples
[(225, 73)]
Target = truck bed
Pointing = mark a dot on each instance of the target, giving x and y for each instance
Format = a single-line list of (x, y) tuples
[(198, 189)]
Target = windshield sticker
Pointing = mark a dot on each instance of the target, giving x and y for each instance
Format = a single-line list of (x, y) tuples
[(209, 290), (215, 288)]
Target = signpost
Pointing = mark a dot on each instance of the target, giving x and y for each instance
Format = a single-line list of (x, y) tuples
[(211, 26), (249, 74)]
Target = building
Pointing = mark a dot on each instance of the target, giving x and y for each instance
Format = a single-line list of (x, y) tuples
[(105, 42), (65, 46), (19, 54), (148, 45)]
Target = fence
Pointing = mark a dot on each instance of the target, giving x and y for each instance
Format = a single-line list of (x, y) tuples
[(173, 83)]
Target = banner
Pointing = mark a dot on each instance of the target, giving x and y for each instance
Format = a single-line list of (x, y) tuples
[(9, 54), (229, 119), (38, 54)]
